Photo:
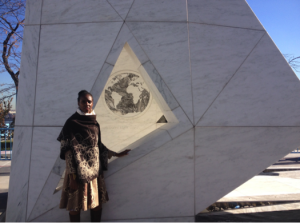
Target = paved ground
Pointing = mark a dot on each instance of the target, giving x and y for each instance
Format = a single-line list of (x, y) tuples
[(4, 181)]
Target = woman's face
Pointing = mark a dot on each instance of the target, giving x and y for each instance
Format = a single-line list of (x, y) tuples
[(86, 103)]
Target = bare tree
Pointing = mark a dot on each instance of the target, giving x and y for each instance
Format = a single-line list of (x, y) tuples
[(12, 15), (294, 61)]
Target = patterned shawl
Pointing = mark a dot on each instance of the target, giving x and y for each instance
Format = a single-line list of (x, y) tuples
[(81, 134)]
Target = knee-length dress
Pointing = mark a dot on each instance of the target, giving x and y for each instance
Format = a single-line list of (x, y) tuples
[(86, 157)]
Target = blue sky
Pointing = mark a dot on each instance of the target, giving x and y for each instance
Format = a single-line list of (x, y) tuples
[(281, 19)]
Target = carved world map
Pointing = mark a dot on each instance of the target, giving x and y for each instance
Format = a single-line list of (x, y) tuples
[(127, 94)]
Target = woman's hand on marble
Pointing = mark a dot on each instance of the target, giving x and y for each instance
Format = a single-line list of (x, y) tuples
[(124, 153)]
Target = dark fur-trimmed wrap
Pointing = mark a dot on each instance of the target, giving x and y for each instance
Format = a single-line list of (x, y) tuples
[(81, 134)]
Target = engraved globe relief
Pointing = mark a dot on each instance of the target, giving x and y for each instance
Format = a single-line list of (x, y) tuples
[(126, 94)]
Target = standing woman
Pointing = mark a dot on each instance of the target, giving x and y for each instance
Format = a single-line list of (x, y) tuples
[(86, 159)]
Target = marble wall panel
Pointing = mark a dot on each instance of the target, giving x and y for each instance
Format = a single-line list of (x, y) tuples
[(45, 150), (69, 62), (160, 85), (154, 185), (166, 44), (26, 91), (122, 7), (125, 36), (100, 82), (263, 92), (216, 54), (33, 12), (47, 199), (139, 149), (77, 11), (226, 157), (174, 219), (158, 10), (176, 129), (234, 13), (18, 183)]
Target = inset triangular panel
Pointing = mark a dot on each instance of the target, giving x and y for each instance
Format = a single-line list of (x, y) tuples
[(166, 44)]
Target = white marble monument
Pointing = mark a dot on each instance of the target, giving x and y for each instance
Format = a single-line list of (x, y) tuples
[(230, 99)]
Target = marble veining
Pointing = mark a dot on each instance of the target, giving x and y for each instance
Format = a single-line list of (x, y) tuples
[(139, 149), (216, 54), (45, 149), (263, 92), (160, 85), (33, 12), (47, 200), (166, 44), (18, 183), (65, 11), (233, 150), (158, 10), (122, 7), (184, 124), (101, 81), (234, 13), (143, 185), (67, 64), (27, 79), (125, 36)]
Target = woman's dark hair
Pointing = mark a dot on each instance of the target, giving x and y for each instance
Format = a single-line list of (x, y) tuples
[(82, 93)]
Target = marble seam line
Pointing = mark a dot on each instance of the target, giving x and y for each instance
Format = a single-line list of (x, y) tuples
[(36, 78), (147, 154), (115, 10), (106, 177), (43, 213), (129, 10), (108, 56), (159, 75), (231, 77)]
